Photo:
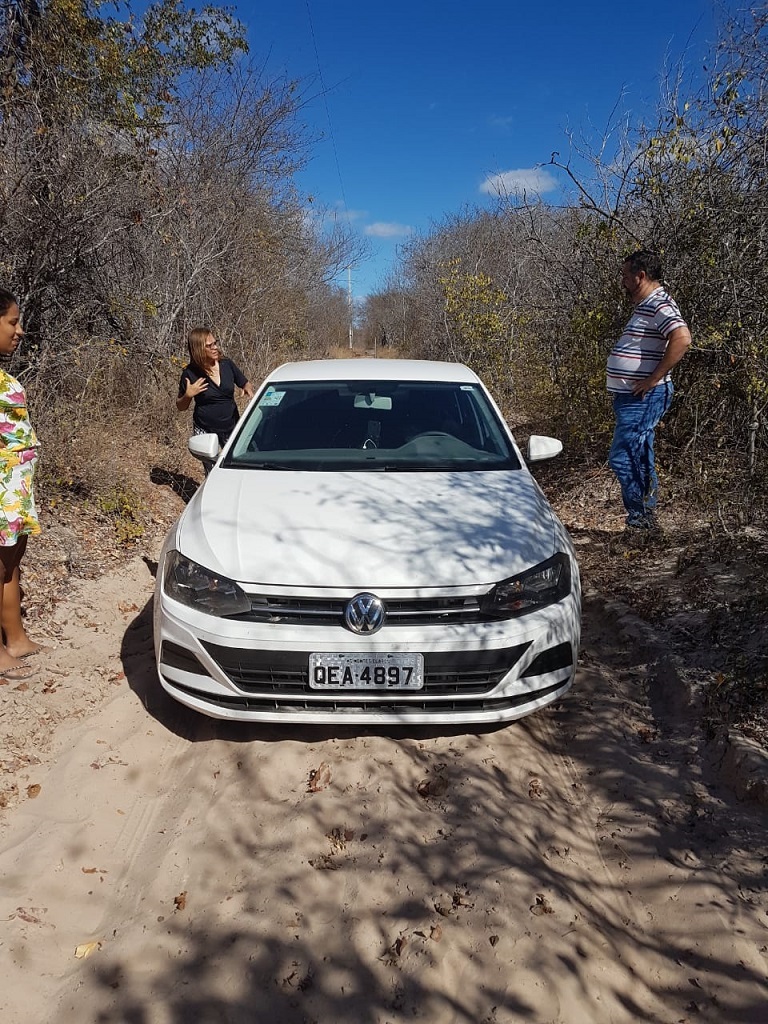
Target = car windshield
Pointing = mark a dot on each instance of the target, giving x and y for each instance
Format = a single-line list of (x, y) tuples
[(370, 426)]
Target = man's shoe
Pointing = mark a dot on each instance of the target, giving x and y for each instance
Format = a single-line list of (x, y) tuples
[(643, 532), (647, 522)]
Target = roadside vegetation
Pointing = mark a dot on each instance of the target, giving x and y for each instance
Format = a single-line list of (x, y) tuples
[(147, 168), (147, 187), (528, 293)]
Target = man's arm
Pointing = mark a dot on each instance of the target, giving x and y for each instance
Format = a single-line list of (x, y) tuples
[(678, 343)]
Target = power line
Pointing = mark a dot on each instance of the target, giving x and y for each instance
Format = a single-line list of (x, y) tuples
[(324, 93)]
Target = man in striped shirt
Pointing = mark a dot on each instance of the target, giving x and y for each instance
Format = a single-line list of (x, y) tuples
[(654, 340)]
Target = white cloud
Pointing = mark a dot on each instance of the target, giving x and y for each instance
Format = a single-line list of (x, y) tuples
[(499, 121), (325, 218), (531, 180), (381, 229), (351, 215)]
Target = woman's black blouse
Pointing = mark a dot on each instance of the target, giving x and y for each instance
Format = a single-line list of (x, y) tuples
[(215, 411)]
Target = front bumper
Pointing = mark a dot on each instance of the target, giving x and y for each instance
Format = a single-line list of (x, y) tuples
[(479, 672)]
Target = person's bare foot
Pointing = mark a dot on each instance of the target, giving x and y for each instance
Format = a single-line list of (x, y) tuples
[(18, 675), (8, 663), (25, 648)]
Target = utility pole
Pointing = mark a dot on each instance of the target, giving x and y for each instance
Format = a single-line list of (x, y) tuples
[(349, 303)]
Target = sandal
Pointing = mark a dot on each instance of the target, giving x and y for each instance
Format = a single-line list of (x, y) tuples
[(42, 649), (17, 675)]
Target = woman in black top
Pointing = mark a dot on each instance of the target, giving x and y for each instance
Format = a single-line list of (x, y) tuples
[(209, 380)]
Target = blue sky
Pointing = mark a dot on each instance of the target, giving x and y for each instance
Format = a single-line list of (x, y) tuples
[(425, 102)]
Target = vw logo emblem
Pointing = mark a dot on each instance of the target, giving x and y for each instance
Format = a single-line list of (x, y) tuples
[(365, 613)]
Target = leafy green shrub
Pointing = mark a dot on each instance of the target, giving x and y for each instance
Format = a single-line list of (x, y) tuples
[(124, 508)]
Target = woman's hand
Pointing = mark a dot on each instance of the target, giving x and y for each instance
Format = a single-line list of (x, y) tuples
[(195, 388)]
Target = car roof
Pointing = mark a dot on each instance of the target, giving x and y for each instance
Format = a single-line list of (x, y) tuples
[(375, 369)]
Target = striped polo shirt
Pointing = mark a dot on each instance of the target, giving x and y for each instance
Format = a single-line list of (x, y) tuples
[(638, 351)]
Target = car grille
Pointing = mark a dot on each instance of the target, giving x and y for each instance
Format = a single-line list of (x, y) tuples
[(308, 611), (286, 672), (375, 706)]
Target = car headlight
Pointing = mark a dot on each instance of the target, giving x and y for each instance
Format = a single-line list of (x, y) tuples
[(199, 588), (544, 584)]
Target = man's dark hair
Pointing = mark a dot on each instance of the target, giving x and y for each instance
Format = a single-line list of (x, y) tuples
[(647, 261)]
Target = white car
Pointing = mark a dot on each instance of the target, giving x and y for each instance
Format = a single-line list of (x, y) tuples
[(370, 547)]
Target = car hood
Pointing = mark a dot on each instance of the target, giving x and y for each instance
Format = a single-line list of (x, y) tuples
[(367, 531)]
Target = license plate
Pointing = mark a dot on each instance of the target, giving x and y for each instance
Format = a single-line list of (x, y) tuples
[(366, 671)]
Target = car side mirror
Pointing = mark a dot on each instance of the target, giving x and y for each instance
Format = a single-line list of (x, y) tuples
[(204, 447), (540, 447)]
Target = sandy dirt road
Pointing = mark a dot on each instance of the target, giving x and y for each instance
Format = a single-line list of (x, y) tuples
[(162, 868)]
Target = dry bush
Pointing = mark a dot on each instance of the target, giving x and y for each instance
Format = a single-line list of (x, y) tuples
[(107, 422)]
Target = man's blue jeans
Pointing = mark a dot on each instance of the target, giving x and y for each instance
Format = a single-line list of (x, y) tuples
[(631, 457)]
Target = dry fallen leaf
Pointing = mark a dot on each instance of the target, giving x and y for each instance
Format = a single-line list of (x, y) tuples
[(128, 606), (392, 954), (28, 914), (85, 949), (542, 905), (107, 760), (319, 778), (33, 791), (180, 901), (534, 789), (8, 794), (461, 899), (324, 863), (432, 787)]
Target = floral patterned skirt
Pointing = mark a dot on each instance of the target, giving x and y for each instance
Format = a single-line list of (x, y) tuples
[(18, 514)]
